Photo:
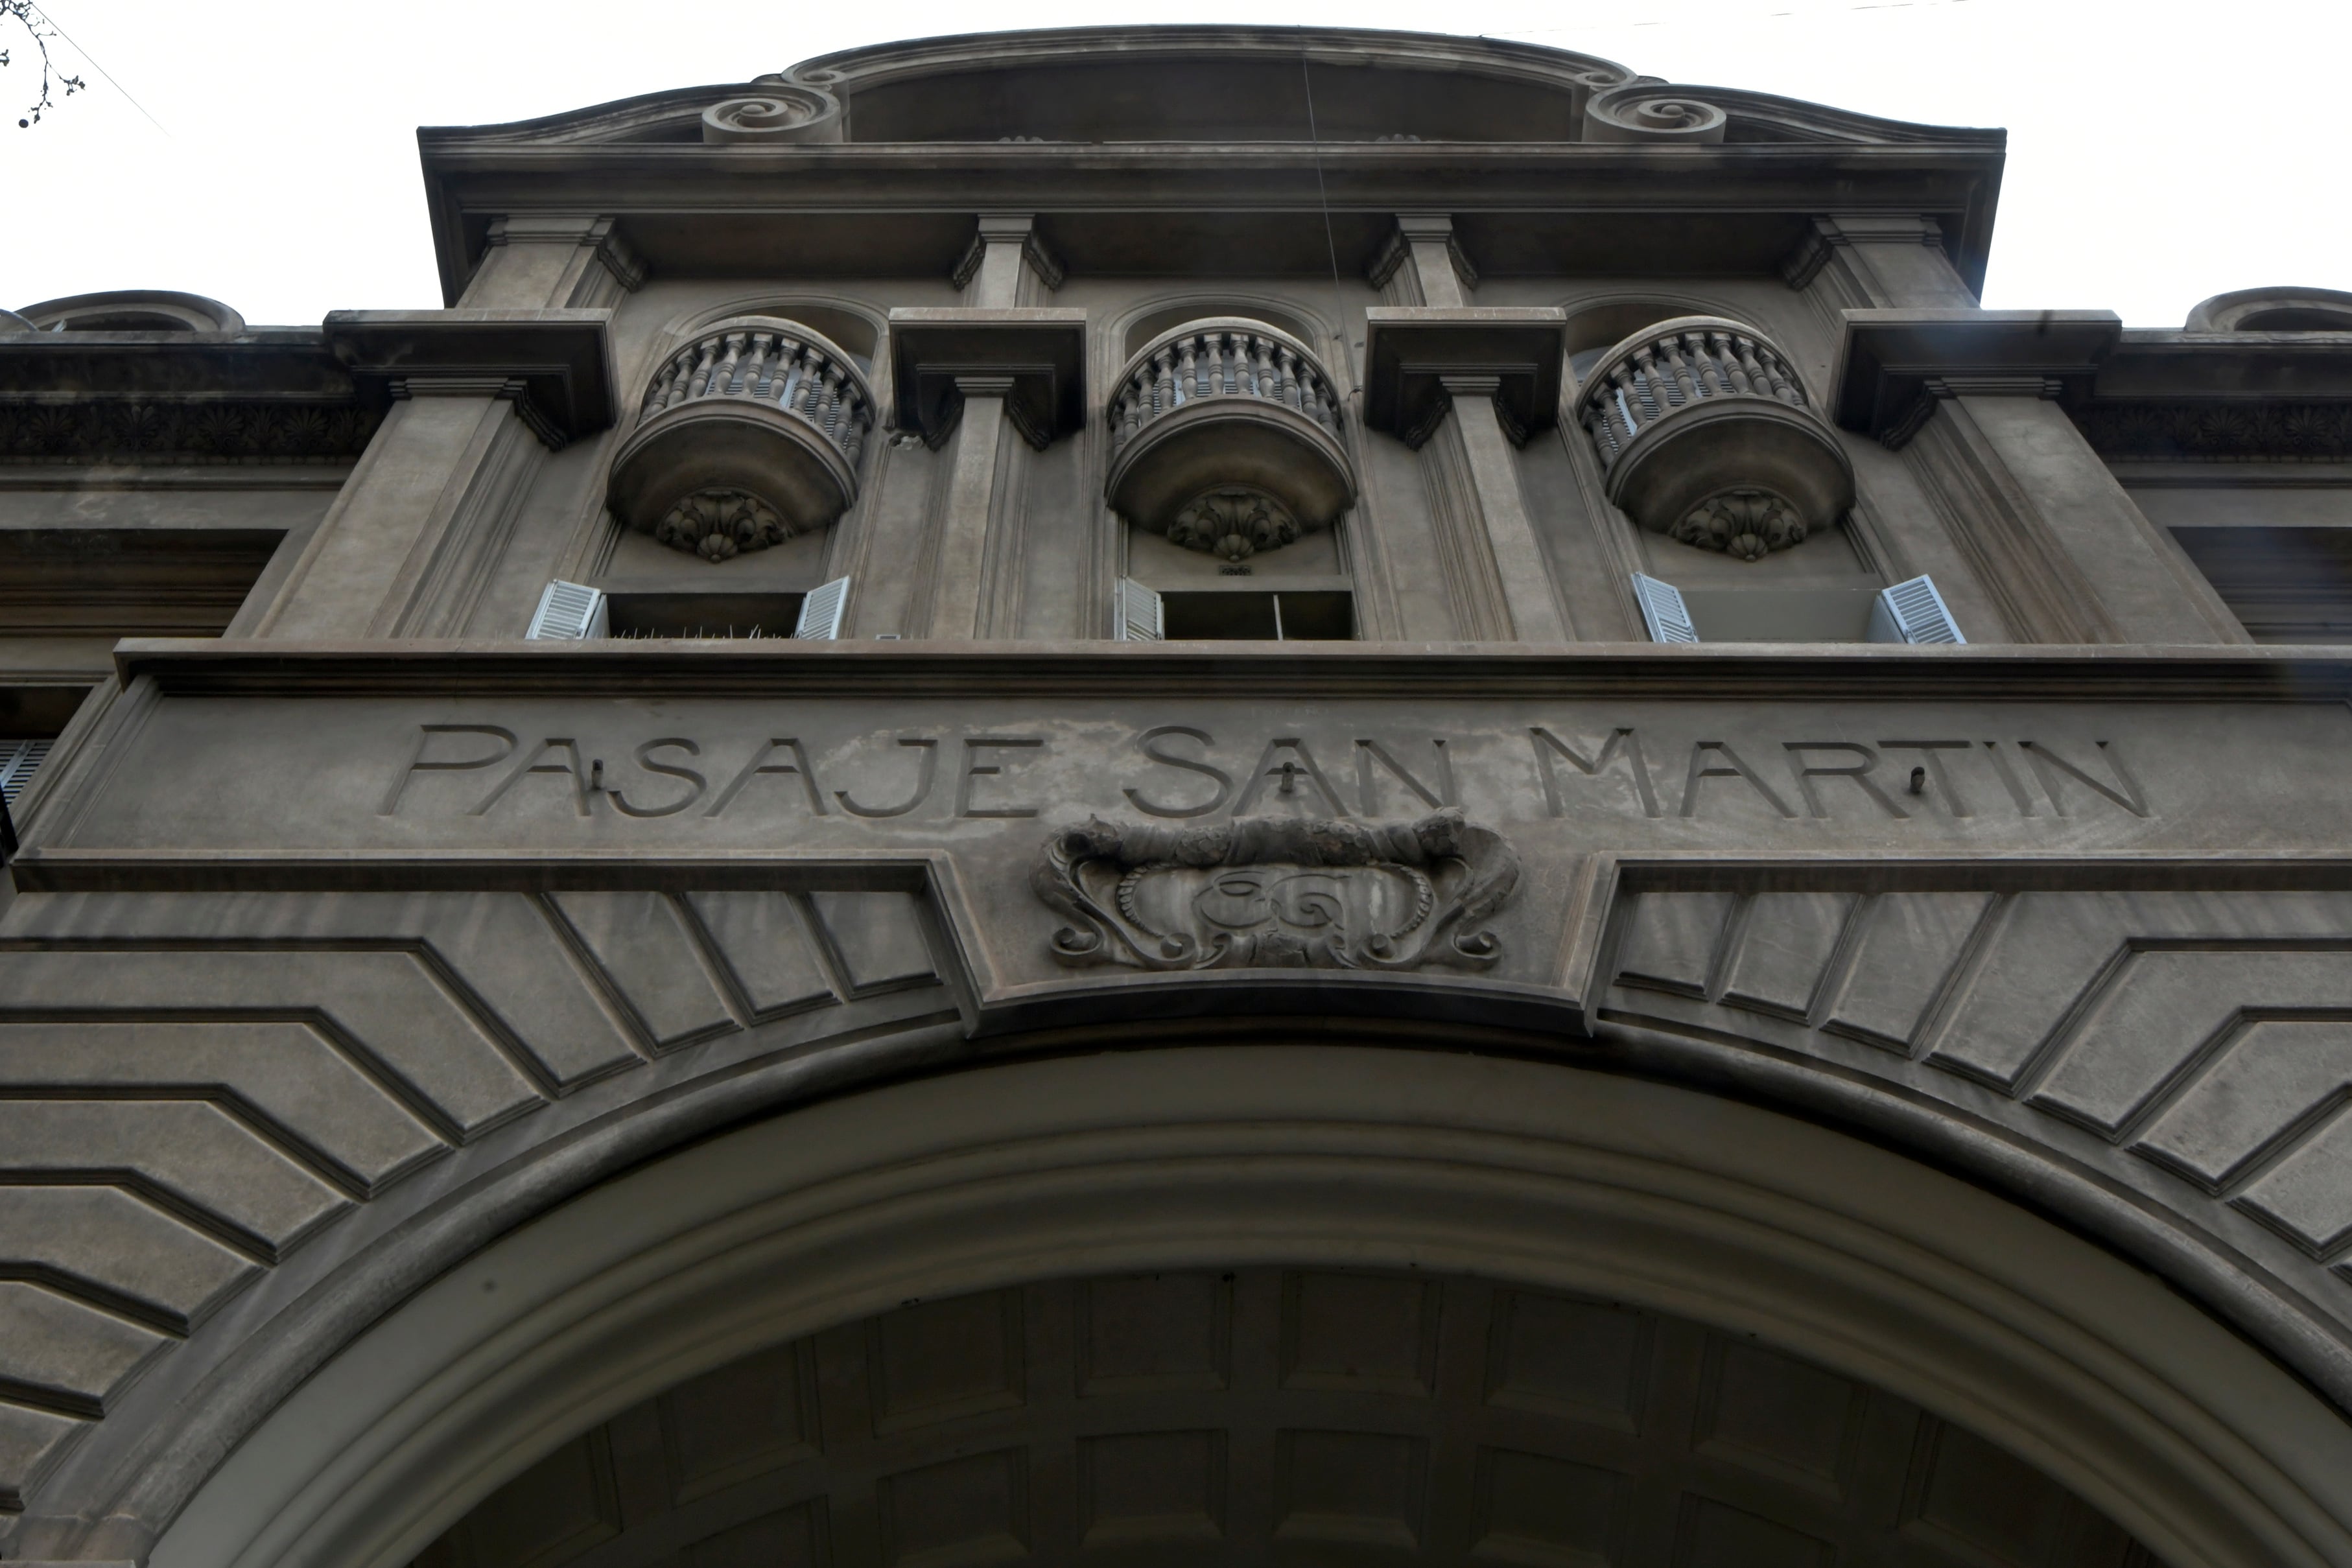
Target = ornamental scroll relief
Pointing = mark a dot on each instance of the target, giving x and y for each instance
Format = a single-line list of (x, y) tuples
[(1278, 892)]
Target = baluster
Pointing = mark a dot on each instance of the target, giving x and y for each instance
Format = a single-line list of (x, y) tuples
[(658, 395), (858, 424), (1706, 374), (681, 375), (788, 373), (755, 375), (1186, 387), (1784, 381), (1625, 384), (1734, 369), (1286, 389), (1643, 372), (701, 385), (723, 381), (1682, 385), (836, 405), (1163, 380)]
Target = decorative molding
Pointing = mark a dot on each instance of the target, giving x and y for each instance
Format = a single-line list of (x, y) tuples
[(1277, 892), (53, 428), (718, 525), (1642, 111), (2212, 431), (1233, 522), (779, 111)]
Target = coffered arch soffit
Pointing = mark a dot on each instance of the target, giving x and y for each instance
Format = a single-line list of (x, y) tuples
[(1543, 1177)]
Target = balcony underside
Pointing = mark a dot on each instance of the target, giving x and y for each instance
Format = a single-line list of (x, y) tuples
[(1231, 441)]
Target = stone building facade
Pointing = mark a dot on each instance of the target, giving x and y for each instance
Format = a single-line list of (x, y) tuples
[(1151, 796)]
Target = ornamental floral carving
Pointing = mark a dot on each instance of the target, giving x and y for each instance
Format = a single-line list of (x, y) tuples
[(1746, 524), (1278, 892), (718, 525), (1234, 523)]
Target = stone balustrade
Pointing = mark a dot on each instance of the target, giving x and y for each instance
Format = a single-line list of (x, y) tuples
[(747, 435), (1222, 403), (1220, 359), (774, 362), (1706, 434)]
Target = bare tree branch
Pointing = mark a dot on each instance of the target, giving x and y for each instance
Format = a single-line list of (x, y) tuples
[(37, 27)]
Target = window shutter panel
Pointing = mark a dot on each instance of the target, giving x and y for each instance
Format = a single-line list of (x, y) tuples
[(821, 612), (1663, 611), (569, 611), (1912, 611), (19, 760), (1139, 612)]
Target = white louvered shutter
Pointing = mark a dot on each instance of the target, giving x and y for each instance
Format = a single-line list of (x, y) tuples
[(821, 612), (19, 760), (1139, 619), (1912, 611), (569, 611), (1663, 611)]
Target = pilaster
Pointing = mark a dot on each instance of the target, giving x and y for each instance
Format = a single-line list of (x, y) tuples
[(478, 396), (1498, 373), (2058, 540), (959, 566)]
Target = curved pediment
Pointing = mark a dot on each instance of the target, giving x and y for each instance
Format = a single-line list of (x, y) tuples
[(1207, 84)]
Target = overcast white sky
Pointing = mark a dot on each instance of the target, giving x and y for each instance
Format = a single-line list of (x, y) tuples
[(2159, 151)]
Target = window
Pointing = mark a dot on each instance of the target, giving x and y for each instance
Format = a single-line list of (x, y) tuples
[(1212, 615), (575, 611)]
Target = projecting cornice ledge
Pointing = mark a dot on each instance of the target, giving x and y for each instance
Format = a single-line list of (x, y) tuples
[(1895, 365), (1040, 353), (1404, 670), (556, 366), (1411, 351)]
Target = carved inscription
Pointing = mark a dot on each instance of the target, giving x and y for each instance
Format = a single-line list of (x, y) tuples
[(1278, 892), (1182, 772)]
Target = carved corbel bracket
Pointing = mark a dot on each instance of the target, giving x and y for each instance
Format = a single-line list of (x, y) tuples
[(1421, 228), (1008, 228), (1416, 355), (598, 235), (1895, 365), (1834, 231), (555, 365), (1038, 355), (1278, 892)]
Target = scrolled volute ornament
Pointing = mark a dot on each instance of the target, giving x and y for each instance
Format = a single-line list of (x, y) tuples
[(778, 111), (1747, 525), (1653, 113), (1234, 522), (718, 525), (1278, 892)]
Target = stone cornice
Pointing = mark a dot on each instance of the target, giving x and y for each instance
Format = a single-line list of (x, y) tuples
[(693, 210), (1404, 670)]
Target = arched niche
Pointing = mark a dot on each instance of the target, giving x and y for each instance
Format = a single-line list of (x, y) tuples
[(1825, 1254)]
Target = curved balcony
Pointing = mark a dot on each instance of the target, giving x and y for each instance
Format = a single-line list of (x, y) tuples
[(1706, 436), (748, 435), (1220, 408)]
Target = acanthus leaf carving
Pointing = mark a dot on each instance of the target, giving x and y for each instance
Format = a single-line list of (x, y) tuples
[(1278, 892)]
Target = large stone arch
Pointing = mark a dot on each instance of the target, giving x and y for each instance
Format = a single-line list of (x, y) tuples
[(1855, 1258)]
